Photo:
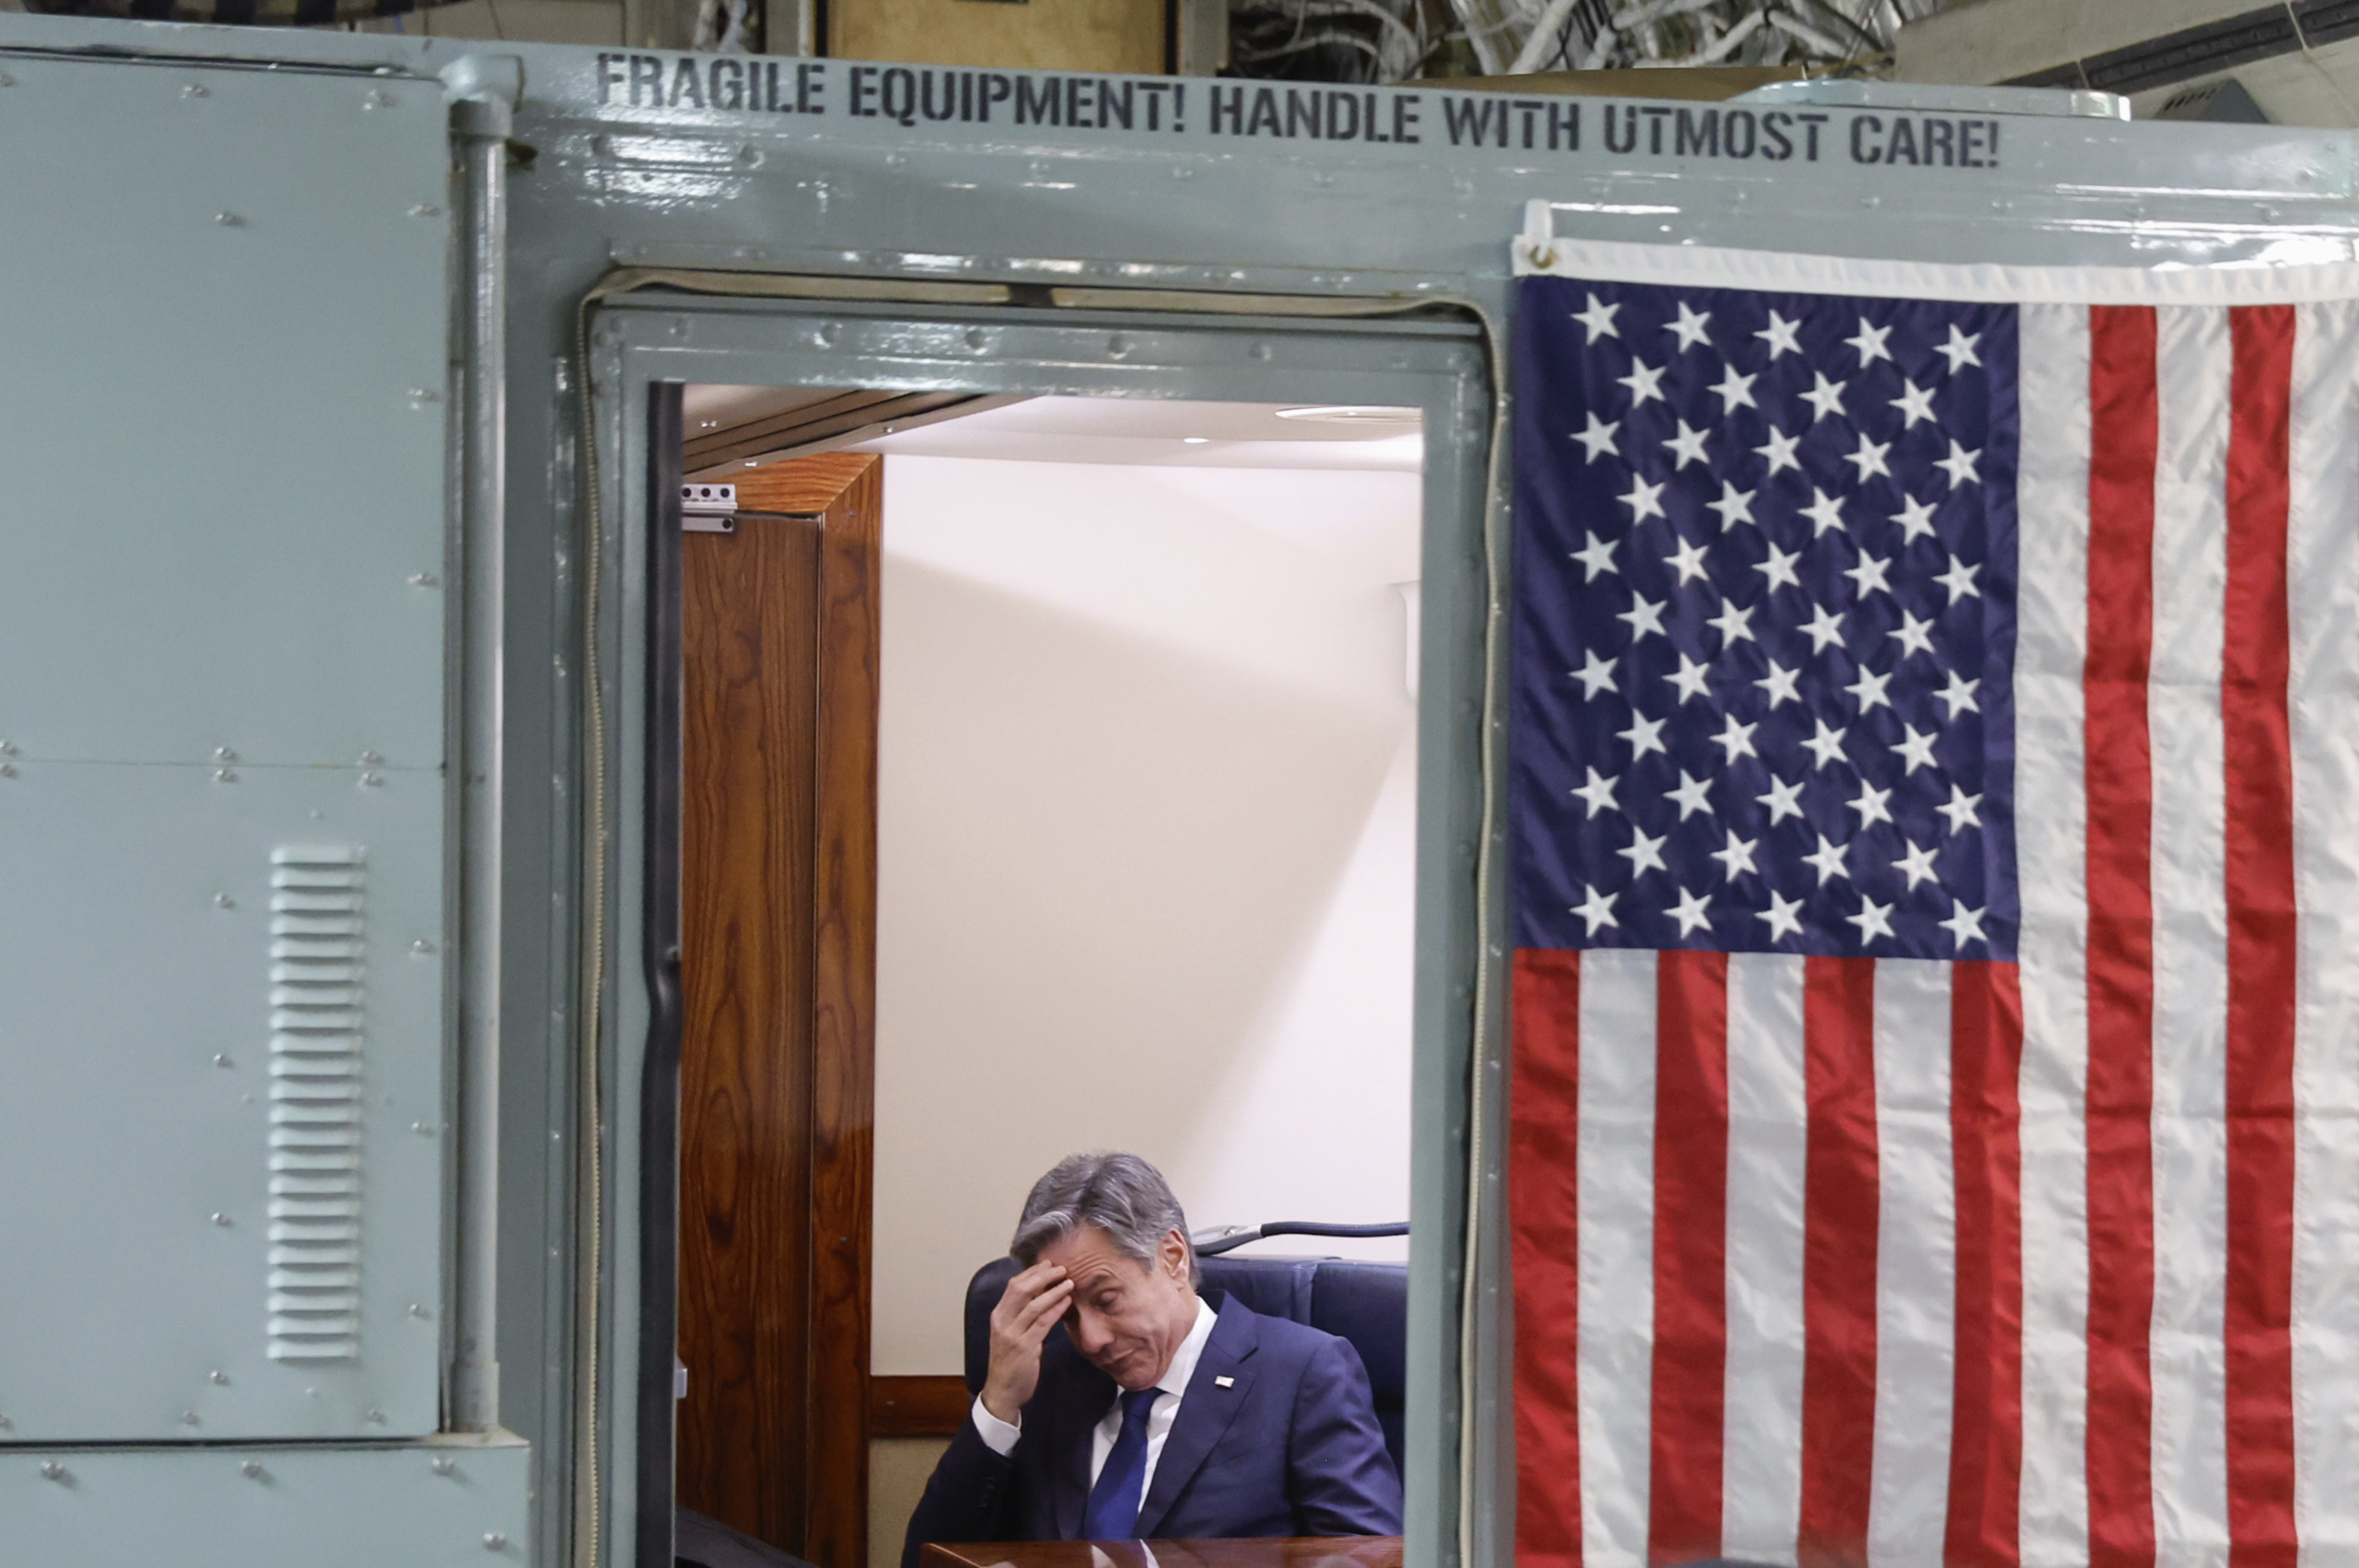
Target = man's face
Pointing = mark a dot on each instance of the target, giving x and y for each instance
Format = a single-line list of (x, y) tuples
[(1127, 1317)]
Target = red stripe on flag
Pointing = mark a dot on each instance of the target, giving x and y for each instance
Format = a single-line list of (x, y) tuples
[(2120, 790), (1985, 1123), (2260, 844), (1839, 1215), (1543, 1204), (1691, 1255)]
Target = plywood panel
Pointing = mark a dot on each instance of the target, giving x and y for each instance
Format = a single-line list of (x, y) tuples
[(1037, 34)]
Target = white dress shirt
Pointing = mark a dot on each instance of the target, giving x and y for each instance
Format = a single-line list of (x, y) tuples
[(1002, 1436)]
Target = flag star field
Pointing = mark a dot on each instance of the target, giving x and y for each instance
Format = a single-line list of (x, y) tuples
[(1765, 616)]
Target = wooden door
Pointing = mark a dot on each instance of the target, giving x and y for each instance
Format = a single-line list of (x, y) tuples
[(778, 924)]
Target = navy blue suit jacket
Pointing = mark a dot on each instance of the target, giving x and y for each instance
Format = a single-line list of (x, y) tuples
[(1290, 1447)]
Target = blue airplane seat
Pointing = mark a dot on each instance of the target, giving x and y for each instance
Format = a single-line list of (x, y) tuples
[(1367, 1303)]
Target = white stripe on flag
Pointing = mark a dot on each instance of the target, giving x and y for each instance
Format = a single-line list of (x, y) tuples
[(1768, 1145), (2322, 569), (2051, 645), (2188, 1352), (1616, 1222), (1915, 1267)]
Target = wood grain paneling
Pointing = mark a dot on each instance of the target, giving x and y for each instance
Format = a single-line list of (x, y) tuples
[(809, 485), (750, 599), (778, 1064), (843, 987), (918, 1407)]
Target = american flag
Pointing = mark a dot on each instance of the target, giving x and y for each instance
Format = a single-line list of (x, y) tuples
[(1935, 820)]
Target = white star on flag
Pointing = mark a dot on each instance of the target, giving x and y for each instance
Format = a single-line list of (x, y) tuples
[(1960, 349), (1643, 853), (1596, 556), (1644, 500), (1826, 397), (1734, 506), (1960, 466), (1690, 326), (1874, 919), (1599, 320), (1595, 674), (1869, 341), (1914, 403), (1598, 793), (1964, 925), (1780, 452), (1824, 511), (1599, 437), (1645, 381), (1784, 917)]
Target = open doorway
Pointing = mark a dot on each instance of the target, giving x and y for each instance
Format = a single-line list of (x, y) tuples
[(1141, 677)]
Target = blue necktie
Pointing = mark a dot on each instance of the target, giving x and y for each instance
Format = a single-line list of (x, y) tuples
[(1113, 1513)]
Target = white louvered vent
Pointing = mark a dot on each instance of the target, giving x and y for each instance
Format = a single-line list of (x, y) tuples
[(316, 926)]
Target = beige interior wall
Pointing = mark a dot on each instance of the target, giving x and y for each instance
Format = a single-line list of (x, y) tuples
[(898, 1468), (1031, 34), (1146, 796)]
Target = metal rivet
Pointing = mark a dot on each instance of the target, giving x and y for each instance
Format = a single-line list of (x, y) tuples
[(188, 1417), (377, 1417), (228, 220), (372, 778), (425, 209), (418, 1310), (370, 760), (1259, 351), (195, 90), (421, 946), (421, 1129), (52, 1471), (423, 579), (375, 100), (225, 775), (7, 770), (495, 1541), (221, 1220), (223, 754), (218, 1376), (445, 1464), (223, 902), (5, 1424), (251, 1470), (976, 337), (7, 748), (420, 396), (220, 1059)]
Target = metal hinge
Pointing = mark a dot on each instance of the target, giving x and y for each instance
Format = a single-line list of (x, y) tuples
[(708, 508)]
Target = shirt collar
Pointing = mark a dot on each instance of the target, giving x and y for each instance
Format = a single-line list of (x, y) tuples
[(1175, 1376)]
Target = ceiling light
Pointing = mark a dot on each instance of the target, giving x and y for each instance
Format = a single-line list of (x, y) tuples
[(1193, 441), (1352, 414)]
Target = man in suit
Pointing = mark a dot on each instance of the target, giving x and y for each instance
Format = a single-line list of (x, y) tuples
[(1156, 1412)]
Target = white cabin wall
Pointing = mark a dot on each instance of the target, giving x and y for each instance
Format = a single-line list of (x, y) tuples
[(1147, 808)]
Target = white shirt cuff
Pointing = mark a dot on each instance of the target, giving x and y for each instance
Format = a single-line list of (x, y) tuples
[(997, 1435)]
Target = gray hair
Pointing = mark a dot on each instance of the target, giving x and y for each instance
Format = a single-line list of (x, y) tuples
[(1121, 1194)]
